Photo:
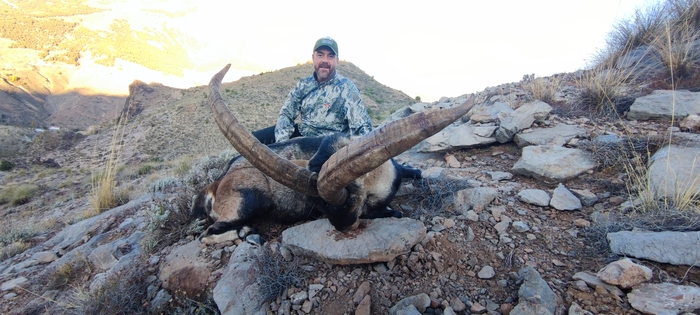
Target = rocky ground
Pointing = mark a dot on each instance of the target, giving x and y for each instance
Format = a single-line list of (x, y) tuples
[(144, 256)]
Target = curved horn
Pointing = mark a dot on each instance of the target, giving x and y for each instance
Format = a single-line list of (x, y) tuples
[(373, 149), (259, 155)]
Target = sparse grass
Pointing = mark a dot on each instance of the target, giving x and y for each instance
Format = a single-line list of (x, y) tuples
[(77, 269), (62, 276), (145, 169), (604, 93), (543, 89), (208, 169), (182, 166), (122, 293), (664, 38), (431, 197), (104, 186), (616, 156), (12, 249), (162, 184), (274, 275), (18, 194), (679, 51), (169, 222), (15, 240)]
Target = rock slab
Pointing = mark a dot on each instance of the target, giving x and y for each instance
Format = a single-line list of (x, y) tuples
[(665, 298), (378, 240), (677, 248), (553, 164)]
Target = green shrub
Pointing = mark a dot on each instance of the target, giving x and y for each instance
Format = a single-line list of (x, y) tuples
[(145, 169), (6, 165)]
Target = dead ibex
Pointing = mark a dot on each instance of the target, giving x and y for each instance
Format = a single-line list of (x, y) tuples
[(304, 178)]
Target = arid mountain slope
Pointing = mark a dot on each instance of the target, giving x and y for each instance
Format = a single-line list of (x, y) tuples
[(166, 122)]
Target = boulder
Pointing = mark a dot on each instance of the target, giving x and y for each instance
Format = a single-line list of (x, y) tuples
[(674, 172), (520, 119), (184, 271)]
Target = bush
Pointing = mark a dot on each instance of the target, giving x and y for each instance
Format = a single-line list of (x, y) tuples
[(274, 275), (543, 89), (145, 169), (665, 37), (6, 165), (18, 194)]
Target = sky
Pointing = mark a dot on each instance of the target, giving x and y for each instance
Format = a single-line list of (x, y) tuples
[(429, 49)]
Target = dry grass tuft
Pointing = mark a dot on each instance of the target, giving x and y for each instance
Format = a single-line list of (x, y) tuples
[(123, 293), (543, 89), (659, 43), (18, 194), (12, 249), (104, 194), (14, 241), (432, 197), (616, 156), (274, 275), (604, 93)]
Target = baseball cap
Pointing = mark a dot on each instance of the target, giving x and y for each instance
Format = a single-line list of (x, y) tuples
[(328, 42)]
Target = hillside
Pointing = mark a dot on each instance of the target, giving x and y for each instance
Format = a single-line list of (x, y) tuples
[(167, 122)]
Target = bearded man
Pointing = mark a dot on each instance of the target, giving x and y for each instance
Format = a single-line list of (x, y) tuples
[(326, 101)]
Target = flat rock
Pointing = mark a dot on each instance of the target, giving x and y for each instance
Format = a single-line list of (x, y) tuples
[(677, 248), (377, 240), (237, 292), (483, 113), (11, 284), (45, 257), (665, 298), (664, 105), (543, 136), (553, 164), (536, 197), (593, 281), (536, 291), (417, 302), (458, 137)]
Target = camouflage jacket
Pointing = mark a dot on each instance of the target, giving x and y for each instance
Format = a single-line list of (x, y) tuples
[(325, 108)]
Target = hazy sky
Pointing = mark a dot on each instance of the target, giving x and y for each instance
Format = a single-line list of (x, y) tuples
[(429, 48)]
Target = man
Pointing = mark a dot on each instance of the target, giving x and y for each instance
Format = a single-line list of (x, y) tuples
[(326, 101)]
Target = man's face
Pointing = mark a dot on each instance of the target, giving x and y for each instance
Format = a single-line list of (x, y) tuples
[(324, 63)]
